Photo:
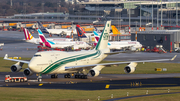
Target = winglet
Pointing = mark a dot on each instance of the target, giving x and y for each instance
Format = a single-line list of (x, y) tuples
[(6, 56), (173, 58)]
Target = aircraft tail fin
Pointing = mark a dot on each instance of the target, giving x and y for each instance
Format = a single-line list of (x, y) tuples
[(80, 32), (98, 31), (96, 37), (115, 30), (80, 28), (42, 28), (103, 40), (43, 40), (27, 34)]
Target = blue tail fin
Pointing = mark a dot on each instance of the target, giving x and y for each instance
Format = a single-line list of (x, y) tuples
[(42, 28), (80, 33)]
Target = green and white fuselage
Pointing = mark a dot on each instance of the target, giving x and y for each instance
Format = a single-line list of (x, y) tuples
[(56, 62)]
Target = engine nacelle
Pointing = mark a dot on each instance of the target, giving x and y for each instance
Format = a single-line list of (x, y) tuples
[(130, 68), (28, 72), (16, 68), (94, 72)]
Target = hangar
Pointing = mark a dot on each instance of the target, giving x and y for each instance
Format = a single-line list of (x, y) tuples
[(169, 39)]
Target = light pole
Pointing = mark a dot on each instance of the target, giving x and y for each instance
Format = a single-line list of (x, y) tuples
[(152, 14), (136, 31), (43, 11)]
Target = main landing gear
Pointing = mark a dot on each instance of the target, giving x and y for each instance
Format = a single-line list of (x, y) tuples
[(81, 76), (67, 76), (54, 76)]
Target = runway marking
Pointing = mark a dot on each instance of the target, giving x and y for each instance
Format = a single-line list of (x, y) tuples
[(107, 86), (33, 80), (140, 96), (143, 84), (41, 84)]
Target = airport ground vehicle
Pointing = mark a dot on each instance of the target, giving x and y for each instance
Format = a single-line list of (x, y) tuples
[(8, 78)]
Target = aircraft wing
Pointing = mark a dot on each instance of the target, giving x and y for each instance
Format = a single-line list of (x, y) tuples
[(22, 61), (72, 68)]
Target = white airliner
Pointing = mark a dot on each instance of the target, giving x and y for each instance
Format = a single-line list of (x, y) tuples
[(61, 44), (56, 31), (31, 39), (133, 45), (56, 62), (1, 44)]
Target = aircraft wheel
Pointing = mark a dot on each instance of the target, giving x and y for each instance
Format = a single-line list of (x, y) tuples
[(68, 76), (39, 79), (76, 76), (82, 77), (65, 76), (79, 76), (85, 76), (56, 76), (52, 76)]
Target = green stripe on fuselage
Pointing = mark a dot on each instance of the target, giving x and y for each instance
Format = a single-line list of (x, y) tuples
[(64, 61)]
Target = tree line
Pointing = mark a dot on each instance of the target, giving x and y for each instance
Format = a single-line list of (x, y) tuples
[(8, 8)]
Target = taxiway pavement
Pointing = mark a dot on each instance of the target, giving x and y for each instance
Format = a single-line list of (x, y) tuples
[(114, 81)]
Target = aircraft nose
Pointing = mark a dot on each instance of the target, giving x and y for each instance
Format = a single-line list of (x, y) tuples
[(31, 66)]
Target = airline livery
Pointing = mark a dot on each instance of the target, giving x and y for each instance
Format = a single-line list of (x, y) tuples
[(61, 44), (31, 39), (115, 30), (56, 62)]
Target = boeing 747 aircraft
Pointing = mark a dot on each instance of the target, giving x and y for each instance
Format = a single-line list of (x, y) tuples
[(56, 62)]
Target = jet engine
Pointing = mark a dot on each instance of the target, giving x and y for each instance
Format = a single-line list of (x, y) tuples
[(130, 68), (17, 67), (94, 72), (28, 72)]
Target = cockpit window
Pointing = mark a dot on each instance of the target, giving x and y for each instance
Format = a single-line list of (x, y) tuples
[(37, 55)]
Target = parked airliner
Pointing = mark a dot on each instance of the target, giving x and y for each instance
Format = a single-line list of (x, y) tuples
[(55, 31), (31, 39), (62, 44), (118, 45)]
